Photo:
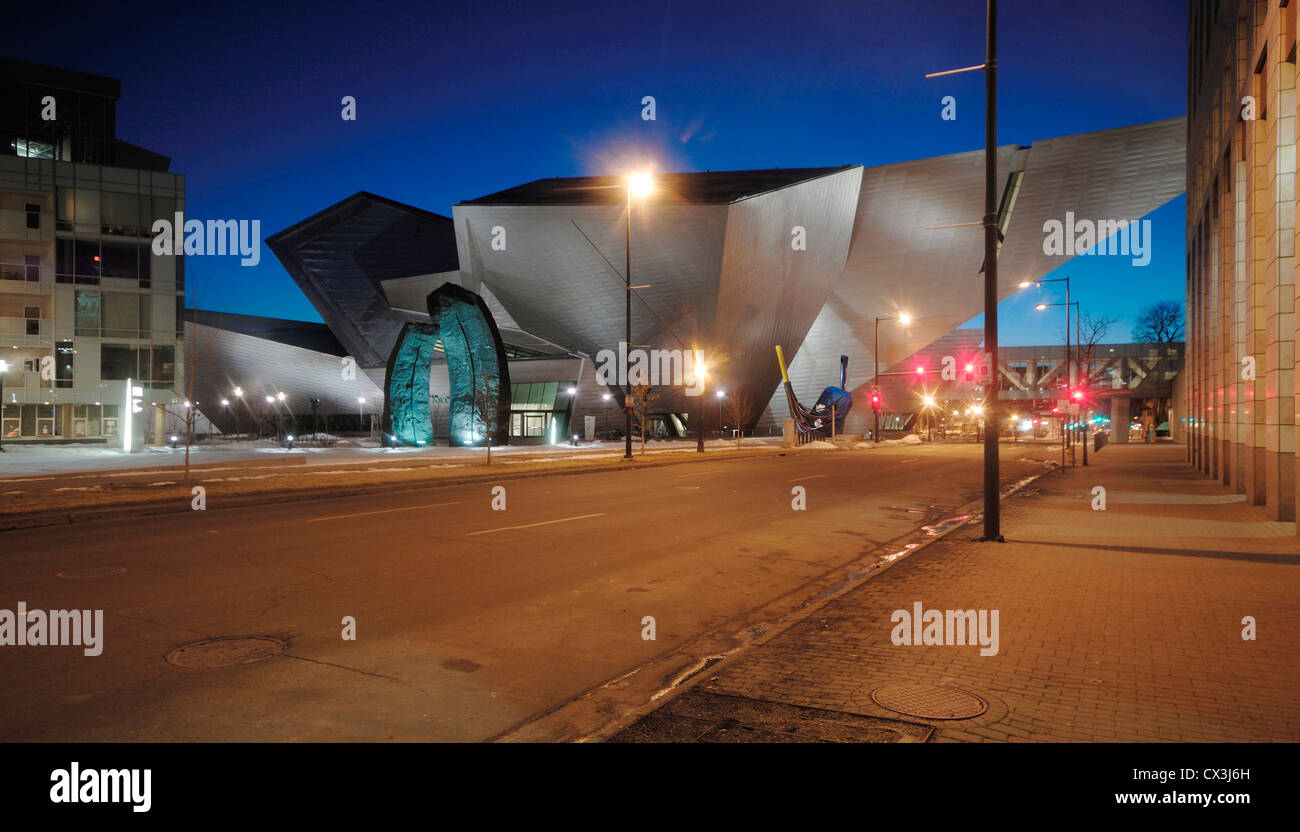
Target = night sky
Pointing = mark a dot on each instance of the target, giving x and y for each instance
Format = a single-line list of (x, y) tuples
[(455, 101)]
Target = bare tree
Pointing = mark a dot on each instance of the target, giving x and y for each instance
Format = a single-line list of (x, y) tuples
[(639, 401), (738, 407), (194, 353), (484, 405), (1160, 323), (1092, 331)]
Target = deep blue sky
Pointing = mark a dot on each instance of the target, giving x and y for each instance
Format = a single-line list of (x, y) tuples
[(456, 101)]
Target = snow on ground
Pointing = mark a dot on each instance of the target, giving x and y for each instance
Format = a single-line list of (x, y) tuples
[(18, 460)]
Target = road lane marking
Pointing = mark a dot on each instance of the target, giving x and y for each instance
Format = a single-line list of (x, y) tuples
[(380, 511), (702, 473), (531, 525), (801, 479)]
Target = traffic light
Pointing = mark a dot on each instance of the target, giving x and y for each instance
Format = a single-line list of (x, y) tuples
[(1078, 395), (875, 400)]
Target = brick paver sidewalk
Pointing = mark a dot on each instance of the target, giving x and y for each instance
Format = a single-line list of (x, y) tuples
[(1115, 625)]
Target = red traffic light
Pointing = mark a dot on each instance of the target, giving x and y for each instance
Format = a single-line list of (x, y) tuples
[(970, 368), (1078, 394)]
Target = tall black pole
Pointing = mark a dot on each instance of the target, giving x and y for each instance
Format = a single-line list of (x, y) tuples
[(993, 423), (627, 349), (1069, 371), (699, 428)]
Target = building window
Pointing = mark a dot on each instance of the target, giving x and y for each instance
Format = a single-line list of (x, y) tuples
[(87, 312), (33, 264), (63, 353), (33, 215), (117, 361), (118, 260), (120, 214), (120, 314), (32, 149), (164, 364), (78, 261)]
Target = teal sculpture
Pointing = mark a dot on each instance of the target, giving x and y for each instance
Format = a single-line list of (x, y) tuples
[(477, 370)]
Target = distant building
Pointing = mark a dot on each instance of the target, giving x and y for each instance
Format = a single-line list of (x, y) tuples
[(84, 303)]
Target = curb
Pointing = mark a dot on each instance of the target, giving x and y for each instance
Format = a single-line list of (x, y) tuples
[(34, 520)]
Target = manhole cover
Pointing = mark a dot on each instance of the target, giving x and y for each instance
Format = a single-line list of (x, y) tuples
[(91, 572), (708, 717), (929, 701), (225, 652)]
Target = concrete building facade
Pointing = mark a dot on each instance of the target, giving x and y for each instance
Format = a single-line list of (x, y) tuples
[(1241, 245)]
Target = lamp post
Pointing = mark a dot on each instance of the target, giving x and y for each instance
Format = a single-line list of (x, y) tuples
[(361, 413), (293, 423), (604, 417), (270, 403), (239, 414), (721, 394), (904, 319), (992, 234), (4, 368), (703, 372), (1071, 392), (928, 410), (639, 185)]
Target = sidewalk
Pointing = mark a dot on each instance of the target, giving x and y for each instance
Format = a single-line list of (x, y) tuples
[(1115, 625)]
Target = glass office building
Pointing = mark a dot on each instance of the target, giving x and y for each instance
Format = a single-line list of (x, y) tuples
[(84, 303)]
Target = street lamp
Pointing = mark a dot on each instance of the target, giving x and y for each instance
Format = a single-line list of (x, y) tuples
[(361, 413), (639, 185), (904, 319), (604, 417), (928, 408), (239, 414), (721, 394)]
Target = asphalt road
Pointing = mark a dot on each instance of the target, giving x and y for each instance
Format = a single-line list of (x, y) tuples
[(469, 620)]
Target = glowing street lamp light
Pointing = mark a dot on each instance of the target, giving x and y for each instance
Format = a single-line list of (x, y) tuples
[(640, 185), (361, 412)]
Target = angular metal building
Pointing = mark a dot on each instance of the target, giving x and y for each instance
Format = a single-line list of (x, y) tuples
[(731, 263)]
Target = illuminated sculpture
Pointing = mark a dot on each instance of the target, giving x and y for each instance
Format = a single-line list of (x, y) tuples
[(477, 370)]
